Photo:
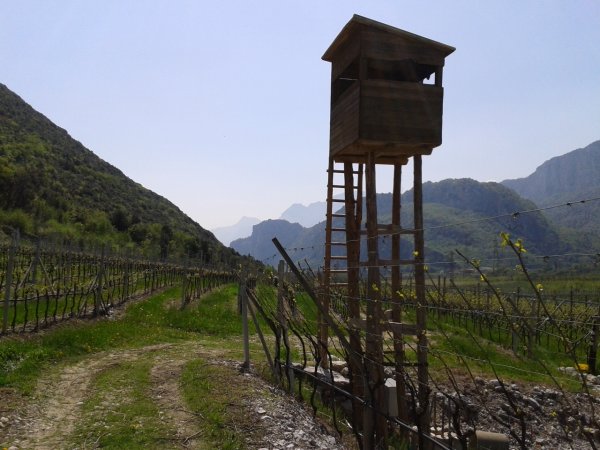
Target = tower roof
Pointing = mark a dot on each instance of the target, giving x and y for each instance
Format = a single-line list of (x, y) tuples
[(359, 23)]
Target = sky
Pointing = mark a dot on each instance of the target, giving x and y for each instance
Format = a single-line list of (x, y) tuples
[(223, 106)]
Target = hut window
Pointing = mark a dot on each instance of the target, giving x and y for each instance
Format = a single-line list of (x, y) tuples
[(403, 70), (344, 81)]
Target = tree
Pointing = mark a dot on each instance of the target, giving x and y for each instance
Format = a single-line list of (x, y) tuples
[(166, 234), (120, 219)]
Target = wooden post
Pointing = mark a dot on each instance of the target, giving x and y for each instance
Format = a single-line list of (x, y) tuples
[(282, 319), (8, 279), (99, 279), (424, 419), (396, 291), (375, 426), (592, 361), (260, 334), (126, 277), (570, 317), (184, 289), (36, 260), (323, 334), (356, 359), (353, 222)]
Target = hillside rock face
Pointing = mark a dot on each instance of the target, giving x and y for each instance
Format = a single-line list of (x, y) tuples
[(307, 216), (569, 178), (564, 176), (302, 244)]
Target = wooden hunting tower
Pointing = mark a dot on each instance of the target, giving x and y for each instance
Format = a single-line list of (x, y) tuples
[(381, 100), (385, 109)]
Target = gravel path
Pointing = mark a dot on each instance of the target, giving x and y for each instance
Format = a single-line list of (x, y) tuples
[(49, 418)]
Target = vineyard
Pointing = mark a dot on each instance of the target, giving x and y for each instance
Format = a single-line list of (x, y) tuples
[(513, 366), (43, 286), (499, 358)]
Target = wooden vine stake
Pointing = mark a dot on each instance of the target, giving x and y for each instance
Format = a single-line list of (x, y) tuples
[(8, 280)]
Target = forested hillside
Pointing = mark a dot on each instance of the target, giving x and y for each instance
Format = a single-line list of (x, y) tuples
[(454, 211), (53, 187)]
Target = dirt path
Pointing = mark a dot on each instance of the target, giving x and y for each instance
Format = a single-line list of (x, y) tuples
[(166, 393), (53, 417), (49, 418)]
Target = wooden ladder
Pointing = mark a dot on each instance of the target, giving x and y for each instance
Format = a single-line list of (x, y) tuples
[(339, 194)]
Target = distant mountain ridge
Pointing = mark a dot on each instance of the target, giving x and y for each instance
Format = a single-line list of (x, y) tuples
[(307, 216), (242, 228), (567, 178), (561, 177), (452, 209)]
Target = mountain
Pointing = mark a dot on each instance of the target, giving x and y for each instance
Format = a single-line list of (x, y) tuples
[(52, 186), (239, 230), (467, 199), (302, 243), (453, 214), (307, 216), (567, 178), (561, 177)]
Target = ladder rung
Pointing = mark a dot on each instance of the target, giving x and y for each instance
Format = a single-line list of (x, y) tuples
[(355, 172), (342, 186), (338, 229), (340, 200), (338, 284), (338, 243), (336, 270), (338, 215), (407, 231), (342, 257)]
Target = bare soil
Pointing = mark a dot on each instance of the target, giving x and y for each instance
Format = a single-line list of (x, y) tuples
[(266, 418)]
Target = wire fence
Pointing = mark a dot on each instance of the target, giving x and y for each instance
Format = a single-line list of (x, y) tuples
[(481, 339), (42, 286)]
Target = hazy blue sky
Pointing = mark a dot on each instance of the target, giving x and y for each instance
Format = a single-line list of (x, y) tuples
[(223, 106)]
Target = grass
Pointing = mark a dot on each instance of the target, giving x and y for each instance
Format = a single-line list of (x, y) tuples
[(449, 341), (119, 413), (208, 389), (131, 424), (23, 359), (202, 389), (553, 285)]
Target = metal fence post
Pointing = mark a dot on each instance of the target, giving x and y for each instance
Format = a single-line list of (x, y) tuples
[(243, 299)]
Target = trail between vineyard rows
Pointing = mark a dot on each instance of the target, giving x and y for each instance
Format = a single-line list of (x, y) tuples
[(49, 419)]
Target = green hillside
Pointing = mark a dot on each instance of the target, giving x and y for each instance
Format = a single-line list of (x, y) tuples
[(51, 186), (456, 214)]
